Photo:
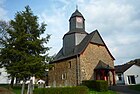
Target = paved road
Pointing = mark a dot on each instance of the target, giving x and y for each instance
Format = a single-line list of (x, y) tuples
[(123, 89)]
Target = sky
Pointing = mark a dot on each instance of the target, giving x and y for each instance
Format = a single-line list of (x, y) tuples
[(118, 22)]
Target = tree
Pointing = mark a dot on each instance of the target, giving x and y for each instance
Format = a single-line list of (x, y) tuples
[(22, 55)]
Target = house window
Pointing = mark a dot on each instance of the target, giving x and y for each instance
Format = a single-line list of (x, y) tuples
[(63, 76), (69, 64), (119, 77)]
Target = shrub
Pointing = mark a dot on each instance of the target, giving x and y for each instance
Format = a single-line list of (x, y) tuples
[(91, 84), (62, 90), (99, 85)]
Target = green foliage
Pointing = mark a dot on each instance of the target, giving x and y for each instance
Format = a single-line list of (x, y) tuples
[(62, 90), (91, 84), (99, 85), (21, 51)]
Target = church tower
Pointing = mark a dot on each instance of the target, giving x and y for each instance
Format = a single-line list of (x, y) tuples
[(76, 32)]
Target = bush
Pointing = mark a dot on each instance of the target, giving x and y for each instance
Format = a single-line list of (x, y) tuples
[(62, 90), (99, 85), (91, 84)]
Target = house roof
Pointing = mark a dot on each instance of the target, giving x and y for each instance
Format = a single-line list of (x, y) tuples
[(102, 65), (124, 67), (93, 37)]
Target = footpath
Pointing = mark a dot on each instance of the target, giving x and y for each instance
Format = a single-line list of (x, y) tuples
[(123, 89)]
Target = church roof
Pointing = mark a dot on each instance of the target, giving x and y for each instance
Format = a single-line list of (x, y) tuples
[(76, 13), (78, 30), (102, 65), (93, 37)]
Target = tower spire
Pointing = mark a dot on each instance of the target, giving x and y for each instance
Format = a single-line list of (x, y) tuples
[(76, 7)]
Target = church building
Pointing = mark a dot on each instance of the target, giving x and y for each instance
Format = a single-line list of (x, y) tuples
[(84, 56)]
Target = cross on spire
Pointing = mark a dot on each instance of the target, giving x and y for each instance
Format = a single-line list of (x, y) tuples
[(76, 7)]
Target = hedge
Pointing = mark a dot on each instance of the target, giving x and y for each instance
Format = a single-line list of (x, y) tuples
[(62, 90), (99, 85)]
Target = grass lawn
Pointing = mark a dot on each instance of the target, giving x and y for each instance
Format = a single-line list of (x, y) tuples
[(17, 91), (135, 87), (107, 92)]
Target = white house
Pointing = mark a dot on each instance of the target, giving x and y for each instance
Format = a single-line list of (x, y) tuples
[(128, 73), (4, 77), (5, 80)]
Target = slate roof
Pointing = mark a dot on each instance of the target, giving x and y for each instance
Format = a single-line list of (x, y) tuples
[(102, 65), (124, 67), (89, 38), (78, 30), (76, 14)]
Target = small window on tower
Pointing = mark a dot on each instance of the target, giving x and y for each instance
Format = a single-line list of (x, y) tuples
[(69, 64)]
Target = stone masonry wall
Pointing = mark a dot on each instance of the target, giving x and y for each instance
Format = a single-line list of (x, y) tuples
[(90, 58), (63, 73)]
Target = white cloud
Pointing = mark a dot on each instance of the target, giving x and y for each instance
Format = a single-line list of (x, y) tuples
[(118, 22), (57, 26), (3, 12)]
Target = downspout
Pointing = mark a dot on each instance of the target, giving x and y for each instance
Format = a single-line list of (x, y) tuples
[(77, 70)]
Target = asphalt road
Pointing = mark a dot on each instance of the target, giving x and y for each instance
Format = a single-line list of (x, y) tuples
[(123, 89)]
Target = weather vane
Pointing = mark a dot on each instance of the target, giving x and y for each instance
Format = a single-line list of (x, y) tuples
[(76, 7)]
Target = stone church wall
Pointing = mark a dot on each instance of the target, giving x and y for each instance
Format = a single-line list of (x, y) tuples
[(63, 73), (91, 57)]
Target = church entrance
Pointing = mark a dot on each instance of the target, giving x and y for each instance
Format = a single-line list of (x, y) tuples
[(104, 72)]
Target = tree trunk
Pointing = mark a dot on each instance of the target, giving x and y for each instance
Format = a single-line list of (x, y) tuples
[(12, 81), (23, 87), (30, 87)]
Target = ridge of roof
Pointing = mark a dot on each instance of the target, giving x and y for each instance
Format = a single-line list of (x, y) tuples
[(124, 67)]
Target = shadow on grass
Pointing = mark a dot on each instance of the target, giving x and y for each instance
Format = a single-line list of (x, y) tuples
[(103, 92)]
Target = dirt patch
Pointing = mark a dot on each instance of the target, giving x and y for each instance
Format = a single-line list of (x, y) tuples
[(5, 91)]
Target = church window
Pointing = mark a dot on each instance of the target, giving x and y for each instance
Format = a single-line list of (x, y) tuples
[(53, 68), (63, 76), (69, 64)]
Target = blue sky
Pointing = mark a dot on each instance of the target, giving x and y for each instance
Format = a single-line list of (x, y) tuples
[(117, 21)]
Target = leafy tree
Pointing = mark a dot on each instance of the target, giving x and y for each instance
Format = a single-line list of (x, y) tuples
[(23, 54)]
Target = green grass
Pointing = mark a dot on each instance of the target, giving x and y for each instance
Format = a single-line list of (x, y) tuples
[(107, 92), (135, 87), (17, 91)]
